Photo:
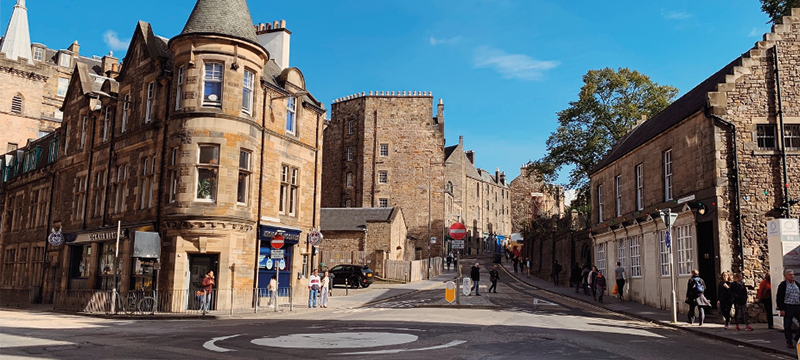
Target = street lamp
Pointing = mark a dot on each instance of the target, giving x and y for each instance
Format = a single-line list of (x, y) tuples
[(669, 218)]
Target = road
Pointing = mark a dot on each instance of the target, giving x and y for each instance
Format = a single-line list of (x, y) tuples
[(525, 323)]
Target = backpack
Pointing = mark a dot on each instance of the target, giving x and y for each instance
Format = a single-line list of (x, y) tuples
[(698, 286)]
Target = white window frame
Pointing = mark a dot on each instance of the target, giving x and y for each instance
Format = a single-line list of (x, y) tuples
[(622, 249), (248, 81), (618, 182), (348, 178), (63, 87), (600, 252), (125, 109), (635, 253), (151, 95), (293, 191), (179, 92), (683, 237), (65, 60), (215, 167), (383, 177), (384, 150), (291, 115), (600, 203), (664, 253), (83, 131), (106, 123), (211, 77), (639, 188), (245, 170), (350, 127), (173, 175), (350, 153), (668, 175), (38, 54), (347, 203)]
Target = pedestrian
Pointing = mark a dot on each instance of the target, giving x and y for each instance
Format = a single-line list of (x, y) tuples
[(600, 285), (585, 279), (575, 276), (695, 297), (528, 265), (313, 289), (725, 297), (475, 275), (619, 275), (493, 277), (522, 265), (324, 290), (208, 291), (788, 303), (591, 279), (455, 264), (273, 291), (515, 260), (765, 297), (739, 292), (555, 271), (449, 260)]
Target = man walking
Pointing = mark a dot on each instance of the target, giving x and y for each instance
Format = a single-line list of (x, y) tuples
[(493, 277), (619, 273), (555, 272), (314, 283), (788, 301), (475, 275), (449, 260)]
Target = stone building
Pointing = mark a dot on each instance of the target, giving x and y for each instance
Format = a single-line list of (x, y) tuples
[(33, 82), (364, 236), (202, 142), (533, 199), (715, 157), (479, 200), (387, 150)]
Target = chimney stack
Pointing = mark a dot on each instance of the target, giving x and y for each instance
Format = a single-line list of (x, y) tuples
[(276, 39), (461, 140), (471, 156), (75, 48), (110, 65)]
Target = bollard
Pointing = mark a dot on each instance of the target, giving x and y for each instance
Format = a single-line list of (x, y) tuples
[(291, 299), (346, 288)]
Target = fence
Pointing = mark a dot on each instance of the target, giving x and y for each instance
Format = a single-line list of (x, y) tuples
[(332, 258), (221, 301), (411, 270), (16, 297)]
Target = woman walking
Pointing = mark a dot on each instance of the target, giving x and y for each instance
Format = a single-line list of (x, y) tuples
[(324, 290), (765, 297), (600, 285), (695, 297), (725, 297), (739, 292)]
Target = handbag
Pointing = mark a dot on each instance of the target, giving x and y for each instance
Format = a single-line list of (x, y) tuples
[(615, 291), (199, 293)]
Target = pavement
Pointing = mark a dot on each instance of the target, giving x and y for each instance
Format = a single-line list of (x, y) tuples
[(761, 337)]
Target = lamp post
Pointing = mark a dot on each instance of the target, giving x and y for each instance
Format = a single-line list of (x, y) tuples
[(669, 219)]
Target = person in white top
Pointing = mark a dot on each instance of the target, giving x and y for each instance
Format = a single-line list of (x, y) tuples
[(324, 290), (313, 288), (273, 291)]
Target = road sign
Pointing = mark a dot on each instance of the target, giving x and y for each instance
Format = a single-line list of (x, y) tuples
[(465, 287), (282, 264), (458, 231), (277, 241), (315, 237), (667, 240), (269, 264), (457, 244), (276, 254), (433, 240), (450, 292)]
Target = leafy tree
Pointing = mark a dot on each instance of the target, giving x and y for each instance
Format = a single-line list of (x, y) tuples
[(608, 104), (778, 8)]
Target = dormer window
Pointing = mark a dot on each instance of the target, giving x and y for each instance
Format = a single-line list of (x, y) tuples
[(38, 54), (212, 88), (65, 60)]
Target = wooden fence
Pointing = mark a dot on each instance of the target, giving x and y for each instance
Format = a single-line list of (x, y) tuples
[(411, 270)]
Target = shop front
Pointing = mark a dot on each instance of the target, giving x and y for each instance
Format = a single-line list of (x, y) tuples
[(268, 267)]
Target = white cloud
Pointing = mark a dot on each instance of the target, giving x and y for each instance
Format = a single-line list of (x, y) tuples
[(113, 42), (754, 33), (675, 15), (512, 66), (452, 40), (569, 196)]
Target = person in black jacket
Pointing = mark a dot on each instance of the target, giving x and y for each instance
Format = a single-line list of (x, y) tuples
[(725, 301), (739, 292), (475, 275), (695, 298), (788, 303), (493, 277)]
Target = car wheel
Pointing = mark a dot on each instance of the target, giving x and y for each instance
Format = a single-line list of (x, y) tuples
[(353, 283), (366, 285)]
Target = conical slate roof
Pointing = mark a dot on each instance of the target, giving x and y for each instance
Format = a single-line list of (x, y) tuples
[(222, 17), (17, 41)]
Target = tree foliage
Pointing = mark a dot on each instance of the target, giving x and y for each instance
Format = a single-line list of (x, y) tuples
[(776, 9), (609, 103)]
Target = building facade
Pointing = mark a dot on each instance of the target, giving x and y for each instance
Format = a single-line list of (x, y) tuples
[(533, 199), (479, 200), (202, 142), (387, 150), (33, 82), (716, 158)]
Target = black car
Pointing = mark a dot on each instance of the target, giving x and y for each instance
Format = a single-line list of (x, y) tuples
[(356, 275)]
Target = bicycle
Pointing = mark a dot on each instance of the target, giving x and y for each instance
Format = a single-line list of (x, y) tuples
[(130, 304)]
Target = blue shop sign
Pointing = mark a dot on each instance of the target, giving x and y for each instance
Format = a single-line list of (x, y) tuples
[(290, 236)]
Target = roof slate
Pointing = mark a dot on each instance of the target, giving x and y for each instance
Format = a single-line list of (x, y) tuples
[(349, 219), (223, 17)]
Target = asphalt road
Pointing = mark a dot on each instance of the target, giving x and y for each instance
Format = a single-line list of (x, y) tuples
[(550, 327)]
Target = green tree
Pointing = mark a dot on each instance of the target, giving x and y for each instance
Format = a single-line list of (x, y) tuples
[(778, 8), (609, 103)]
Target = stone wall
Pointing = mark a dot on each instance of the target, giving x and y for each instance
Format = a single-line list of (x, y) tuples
[(527, 207)]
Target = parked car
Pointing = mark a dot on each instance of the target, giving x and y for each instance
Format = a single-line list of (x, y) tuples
[(356, 275)]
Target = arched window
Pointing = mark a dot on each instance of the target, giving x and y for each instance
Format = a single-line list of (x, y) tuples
[(16, 104)]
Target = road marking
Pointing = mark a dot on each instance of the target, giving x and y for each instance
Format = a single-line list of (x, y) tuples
[(209, 345), (537, 302), (396, 351), (348, 340)]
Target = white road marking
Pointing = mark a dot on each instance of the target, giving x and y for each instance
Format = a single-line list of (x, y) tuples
[(385, 328), (537, 302), (347, 340), (395, 351), (209, 345)]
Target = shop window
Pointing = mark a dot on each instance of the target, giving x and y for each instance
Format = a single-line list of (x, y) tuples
[(105, 273)]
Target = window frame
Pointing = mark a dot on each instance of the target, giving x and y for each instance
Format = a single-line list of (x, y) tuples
[(38, 54), (244, 174), (291, 115), (383, 176), (106, 123), (668, 175), (683, 237), (600, 253), (664, 253), (384, 150), (639, 187), (635, 254), (248, 98), (600, 203), (211, 166), (348, 180), (763, 138), (65, 58), (792, 138), (65, 82), (350, 153), (212, 79), (173, 175), (383, 202), (618, 200), (150, 104), (179, 88), (125, 109)]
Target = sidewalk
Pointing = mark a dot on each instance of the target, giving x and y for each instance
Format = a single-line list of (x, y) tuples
[(761, 338)]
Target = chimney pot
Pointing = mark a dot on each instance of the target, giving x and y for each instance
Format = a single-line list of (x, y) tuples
[(275, 24), (283, 24)]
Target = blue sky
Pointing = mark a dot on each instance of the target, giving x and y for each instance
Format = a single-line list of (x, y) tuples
[(503, 67)]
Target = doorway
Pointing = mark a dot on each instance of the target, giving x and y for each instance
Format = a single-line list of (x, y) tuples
[(706, 260), (199, 266)]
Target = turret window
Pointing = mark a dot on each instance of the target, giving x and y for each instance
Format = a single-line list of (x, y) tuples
[(207, 170), (212, 88), (247, 91), (179, 94), (291, 112)]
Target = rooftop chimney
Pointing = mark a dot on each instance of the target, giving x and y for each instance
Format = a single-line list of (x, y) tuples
[(75, 48), (471, 156), (461, 140), (440, 113), (276, 39), (110, 65)]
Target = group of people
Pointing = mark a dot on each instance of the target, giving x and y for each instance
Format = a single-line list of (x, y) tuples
[(521, 265), (593, 282), (475, 276), (319, 288)]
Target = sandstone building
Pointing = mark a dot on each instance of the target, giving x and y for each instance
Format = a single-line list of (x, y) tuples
[(533, 199), (387, 150), (33, 82), (479, 200), (715, 157), (206, 142)]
